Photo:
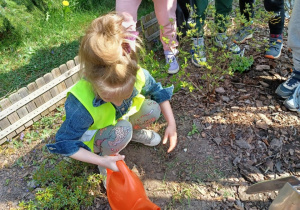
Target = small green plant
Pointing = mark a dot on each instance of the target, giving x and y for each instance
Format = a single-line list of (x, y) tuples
[(156, 68), (241, 64), (17, 143), (30, 205), (227, 194), (19, 162), (183, 191), (193, 131), (67, 185)]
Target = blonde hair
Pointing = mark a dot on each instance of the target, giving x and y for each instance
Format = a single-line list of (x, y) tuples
[(105, 63)]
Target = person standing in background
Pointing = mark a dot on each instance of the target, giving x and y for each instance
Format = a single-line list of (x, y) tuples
[(290, 89), (223, 8), (165, 11), (276, 24)]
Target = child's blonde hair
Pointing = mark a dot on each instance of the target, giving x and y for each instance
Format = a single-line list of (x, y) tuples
[(105, 63)]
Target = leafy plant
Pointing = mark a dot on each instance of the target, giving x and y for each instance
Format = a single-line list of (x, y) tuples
[(67, 185), (240, 63), (193, 131)]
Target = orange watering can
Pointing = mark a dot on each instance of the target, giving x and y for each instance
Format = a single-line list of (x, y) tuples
[(125, 191)]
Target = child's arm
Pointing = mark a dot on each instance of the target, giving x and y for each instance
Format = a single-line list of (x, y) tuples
[(105, 161), (170, 132)]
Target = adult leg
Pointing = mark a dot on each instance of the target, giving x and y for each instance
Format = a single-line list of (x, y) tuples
[(128, 9), (293, 102), (294, 34), (165, 12)]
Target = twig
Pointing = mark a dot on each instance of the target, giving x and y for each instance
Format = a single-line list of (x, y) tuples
[(236, 83), (196, 86)]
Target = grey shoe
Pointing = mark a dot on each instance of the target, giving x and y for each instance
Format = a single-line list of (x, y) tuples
[(274, 49), (242, 35), (146, 137), (103, 172), (222, 41)]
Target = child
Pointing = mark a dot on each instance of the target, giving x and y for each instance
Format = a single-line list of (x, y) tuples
[(106, 109)]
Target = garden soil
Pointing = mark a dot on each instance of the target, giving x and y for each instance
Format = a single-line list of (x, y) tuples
[(236, 136)]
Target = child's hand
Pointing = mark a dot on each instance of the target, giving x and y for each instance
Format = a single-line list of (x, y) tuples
[(111, 161), (171, 134)]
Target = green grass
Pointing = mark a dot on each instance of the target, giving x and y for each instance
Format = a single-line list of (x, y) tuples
[(51, 43)]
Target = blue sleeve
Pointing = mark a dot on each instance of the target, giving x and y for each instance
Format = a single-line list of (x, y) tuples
[(155, 90), (77, 122)]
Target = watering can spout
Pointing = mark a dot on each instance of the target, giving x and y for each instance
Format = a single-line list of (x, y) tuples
[(125, 191)]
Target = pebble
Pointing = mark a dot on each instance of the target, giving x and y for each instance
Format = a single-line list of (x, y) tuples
[(262, 67), (220, 90), (225, 98)]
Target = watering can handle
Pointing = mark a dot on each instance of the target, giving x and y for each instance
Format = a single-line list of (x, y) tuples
[(120, 164), (123, 168)]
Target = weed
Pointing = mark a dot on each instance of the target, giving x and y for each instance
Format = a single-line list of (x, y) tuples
[(30, 205), (181, 191), (64, 186), (19, 162), (227, 194), (193, 131), (241, 64), (17, 144), (156, 68)]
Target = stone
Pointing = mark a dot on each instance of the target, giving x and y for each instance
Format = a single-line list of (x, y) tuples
[(220, 90), (262, 67), (264, 84), (218, 140), (243, 144), (261, 124), (275, 144), (225, 98)]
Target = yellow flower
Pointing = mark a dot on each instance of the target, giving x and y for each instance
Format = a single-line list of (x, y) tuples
[(65, 3)]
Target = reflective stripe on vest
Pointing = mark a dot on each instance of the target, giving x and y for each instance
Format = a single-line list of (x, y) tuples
[(105, 114)]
